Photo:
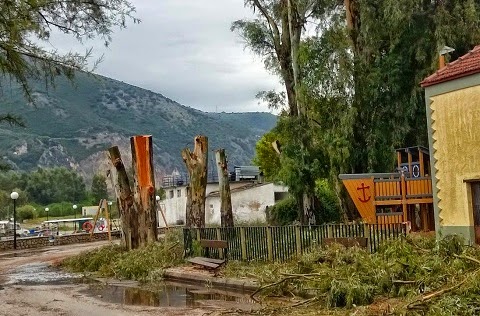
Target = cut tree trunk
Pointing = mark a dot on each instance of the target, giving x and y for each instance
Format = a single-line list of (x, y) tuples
[(144, 188), (196, 164), (124, 199), (226, 215), (188, 209)]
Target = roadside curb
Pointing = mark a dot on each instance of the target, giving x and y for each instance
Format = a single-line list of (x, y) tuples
[(202, 279)]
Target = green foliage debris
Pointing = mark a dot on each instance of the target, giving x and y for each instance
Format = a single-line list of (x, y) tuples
[(419, 276), (143, 264)]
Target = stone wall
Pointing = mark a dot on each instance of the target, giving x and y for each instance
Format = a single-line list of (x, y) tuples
[(37, 242)]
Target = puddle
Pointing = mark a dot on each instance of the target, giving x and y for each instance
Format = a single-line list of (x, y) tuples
[(173, 295), (40, 273)]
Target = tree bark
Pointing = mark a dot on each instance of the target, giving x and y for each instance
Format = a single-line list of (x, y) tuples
[(189, 219), (124, 200), (226, 214), (196, 164), (144, 188)]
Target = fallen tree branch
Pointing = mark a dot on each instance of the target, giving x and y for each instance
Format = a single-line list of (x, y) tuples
[(468, 258), (270, 285), (403, 282), (428, 297), (307, 301)]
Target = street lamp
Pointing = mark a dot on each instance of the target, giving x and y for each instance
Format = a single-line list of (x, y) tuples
[(75, 216), (14, 197), (157, 198), (46, 211)]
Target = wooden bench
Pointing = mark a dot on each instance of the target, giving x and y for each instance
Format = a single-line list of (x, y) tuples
[(347, 241), (206, 261)]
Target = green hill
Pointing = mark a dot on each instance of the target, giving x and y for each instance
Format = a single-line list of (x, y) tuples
[(73, 124)]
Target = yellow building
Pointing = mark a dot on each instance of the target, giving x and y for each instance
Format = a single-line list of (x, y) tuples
[(452, 97)]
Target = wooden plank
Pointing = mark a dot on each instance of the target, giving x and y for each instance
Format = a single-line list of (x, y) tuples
[(211, 260), (207, 243), (202, 262), (420, 201), (389, 202)]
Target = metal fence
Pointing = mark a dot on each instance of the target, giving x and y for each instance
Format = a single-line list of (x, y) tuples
[(279, 243)]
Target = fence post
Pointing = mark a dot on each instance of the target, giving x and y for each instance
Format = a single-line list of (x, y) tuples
[(298, 240), (243, 243), (269, 243)]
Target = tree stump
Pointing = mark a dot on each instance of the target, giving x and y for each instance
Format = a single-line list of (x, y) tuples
[(196, 163), (226, 215), (144, 188), (124, 199)]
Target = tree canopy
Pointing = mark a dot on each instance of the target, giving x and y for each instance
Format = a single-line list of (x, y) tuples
[(26, 24), (358, 80)]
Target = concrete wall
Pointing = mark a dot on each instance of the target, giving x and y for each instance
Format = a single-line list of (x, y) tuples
[(38, 242), (455, 152)]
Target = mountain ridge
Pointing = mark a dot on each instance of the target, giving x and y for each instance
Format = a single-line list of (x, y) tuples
[(72, 125)]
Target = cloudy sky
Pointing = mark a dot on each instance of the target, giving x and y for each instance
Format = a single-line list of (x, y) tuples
[(185, 50)]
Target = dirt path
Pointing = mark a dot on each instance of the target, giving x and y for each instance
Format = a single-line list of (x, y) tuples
[(70, 299)]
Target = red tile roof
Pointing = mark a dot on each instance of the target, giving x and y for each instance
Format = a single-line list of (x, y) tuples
[(466, 65)]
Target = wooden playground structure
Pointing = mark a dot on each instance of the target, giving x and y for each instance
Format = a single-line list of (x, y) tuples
[(402, 196)]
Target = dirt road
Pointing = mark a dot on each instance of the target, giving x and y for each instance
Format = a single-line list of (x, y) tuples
[(22, 298)]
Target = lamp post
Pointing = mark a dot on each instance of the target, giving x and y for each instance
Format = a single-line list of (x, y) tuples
[(75, 216), (14, 197), (46, 211)]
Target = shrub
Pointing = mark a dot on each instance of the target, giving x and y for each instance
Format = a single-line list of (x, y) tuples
[(25, 212), (283, 213)]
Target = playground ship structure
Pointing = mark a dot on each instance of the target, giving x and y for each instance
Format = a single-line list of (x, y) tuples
[(402, 196)]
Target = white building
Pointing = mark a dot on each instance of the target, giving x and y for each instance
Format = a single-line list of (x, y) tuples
[(249, 200)]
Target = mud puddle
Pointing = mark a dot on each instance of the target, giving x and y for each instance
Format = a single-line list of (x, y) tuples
[(40, 273), (171, 294)]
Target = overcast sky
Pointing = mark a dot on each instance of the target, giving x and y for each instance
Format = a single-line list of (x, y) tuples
[(185, 50)]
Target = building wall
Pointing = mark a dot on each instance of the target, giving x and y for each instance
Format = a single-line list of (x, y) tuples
[(247, 205), (455, 152), (89, 210)]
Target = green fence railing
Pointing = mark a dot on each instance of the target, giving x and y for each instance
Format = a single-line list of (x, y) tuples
[(279, 243)]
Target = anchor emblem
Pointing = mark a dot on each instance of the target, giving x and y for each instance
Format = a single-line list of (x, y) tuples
[(365, 197)]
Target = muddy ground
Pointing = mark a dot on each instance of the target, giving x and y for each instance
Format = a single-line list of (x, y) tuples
[(29, 286)]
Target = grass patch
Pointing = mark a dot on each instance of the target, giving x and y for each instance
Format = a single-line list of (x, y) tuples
[(143, 264)]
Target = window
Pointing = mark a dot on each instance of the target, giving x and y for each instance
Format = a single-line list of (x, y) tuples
[(179, 193), (171, 194)]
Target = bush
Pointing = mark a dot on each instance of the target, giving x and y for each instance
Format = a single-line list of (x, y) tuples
[(328, 210), (283, 213), (25, 212)]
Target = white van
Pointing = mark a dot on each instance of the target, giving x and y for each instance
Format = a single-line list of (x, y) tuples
[(6, 229)]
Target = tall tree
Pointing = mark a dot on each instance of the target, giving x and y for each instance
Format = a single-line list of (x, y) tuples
[(99, 187), (276, 36)]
